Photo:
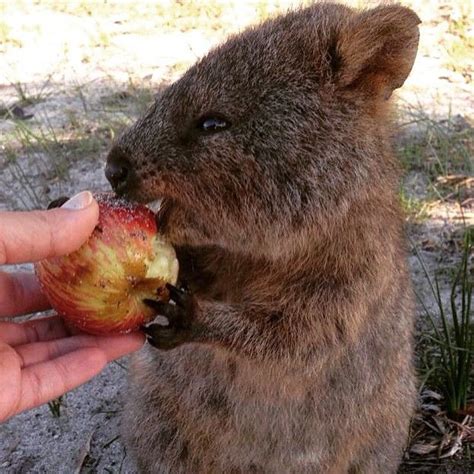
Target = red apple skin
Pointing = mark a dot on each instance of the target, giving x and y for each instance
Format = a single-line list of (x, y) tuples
[(100, 287)]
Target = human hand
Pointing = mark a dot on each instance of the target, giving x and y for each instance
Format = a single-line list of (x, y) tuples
[(43, 358)]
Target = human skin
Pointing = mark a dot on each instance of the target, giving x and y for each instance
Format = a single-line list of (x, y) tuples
[(43, 358)]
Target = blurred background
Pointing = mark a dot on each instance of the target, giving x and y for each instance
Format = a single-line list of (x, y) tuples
[(74, 73)]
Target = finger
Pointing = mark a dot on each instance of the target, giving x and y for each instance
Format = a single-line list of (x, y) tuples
[(36, 330), (20, 293), (49, 380), (112, 346), (43, 382), (32, 236), (10, 381)]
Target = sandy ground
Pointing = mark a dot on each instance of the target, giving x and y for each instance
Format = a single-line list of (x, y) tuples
[(85, 438)]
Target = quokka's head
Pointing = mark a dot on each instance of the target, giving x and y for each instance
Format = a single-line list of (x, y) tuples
[(279, 127)]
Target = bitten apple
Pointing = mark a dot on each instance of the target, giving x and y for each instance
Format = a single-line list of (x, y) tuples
[(100, 288)]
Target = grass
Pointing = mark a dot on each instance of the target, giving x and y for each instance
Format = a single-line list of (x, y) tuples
[(6, 36), (442, 430), (55, 406), (82, 128), (50, 152), (28, 96), (415, 209), (29, 197), (132, 98), (441, 151), (441, 147), (448, 365), (460, 42)]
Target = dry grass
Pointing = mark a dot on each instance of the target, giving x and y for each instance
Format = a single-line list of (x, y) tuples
[(438, 443)]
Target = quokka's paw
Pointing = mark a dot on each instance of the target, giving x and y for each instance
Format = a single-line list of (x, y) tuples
[(179, 312)]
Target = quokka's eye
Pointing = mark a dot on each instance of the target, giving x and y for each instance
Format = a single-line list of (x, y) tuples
[(212, 124)]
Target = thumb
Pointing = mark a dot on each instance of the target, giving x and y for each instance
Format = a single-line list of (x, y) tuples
[(32, 236)]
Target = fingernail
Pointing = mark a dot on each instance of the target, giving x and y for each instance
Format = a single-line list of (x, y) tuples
[(79, 201)]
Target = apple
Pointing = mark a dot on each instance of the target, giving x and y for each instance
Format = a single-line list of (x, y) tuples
[(100, 287)]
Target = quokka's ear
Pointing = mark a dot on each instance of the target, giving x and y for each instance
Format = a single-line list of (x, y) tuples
[(376, 50)]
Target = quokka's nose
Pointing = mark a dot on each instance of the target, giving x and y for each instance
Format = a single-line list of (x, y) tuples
[(117, 170)]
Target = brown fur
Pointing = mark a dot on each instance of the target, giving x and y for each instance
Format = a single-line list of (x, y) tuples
[(288, 230)]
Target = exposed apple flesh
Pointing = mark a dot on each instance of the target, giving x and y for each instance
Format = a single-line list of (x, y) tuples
[(100, 287)]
